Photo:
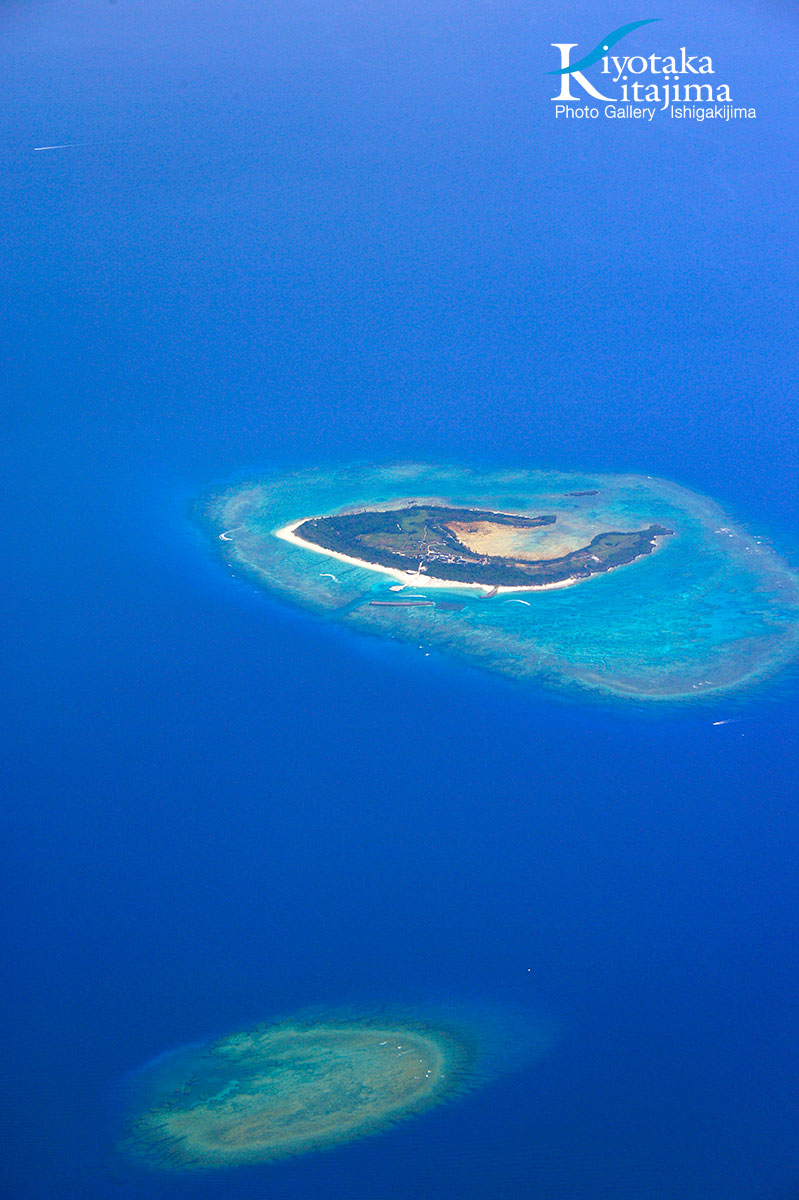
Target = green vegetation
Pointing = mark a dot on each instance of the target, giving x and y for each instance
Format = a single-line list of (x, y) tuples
[(715, 609), (428, 539)]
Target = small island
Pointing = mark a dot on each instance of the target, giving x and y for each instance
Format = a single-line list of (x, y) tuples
[(471, 546), (306, 1084), (625, 585)]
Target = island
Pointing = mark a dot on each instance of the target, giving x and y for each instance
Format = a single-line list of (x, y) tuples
[(621, 585), (464, 545), (309, 1083)]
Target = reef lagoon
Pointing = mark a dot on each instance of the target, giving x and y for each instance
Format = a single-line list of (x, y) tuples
[(310, 1083), (708, 607)]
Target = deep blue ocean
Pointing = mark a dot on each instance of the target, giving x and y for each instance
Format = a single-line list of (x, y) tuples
[(292, 233)]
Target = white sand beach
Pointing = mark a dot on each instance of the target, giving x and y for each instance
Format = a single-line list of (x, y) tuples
[(412, 578)]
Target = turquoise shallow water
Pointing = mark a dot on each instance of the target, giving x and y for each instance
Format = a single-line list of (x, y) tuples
[(309, 1082), (302, 234), (713, 608)]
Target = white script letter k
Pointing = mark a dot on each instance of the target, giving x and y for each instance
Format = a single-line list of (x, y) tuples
[(565, 91)]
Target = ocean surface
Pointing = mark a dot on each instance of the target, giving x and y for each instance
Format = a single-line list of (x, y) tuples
[(296, 234)]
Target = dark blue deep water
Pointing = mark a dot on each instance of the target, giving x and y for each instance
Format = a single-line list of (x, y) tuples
[(295, 233)]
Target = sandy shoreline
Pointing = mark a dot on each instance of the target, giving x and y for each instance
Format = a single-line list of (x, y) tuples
[(411, 578)]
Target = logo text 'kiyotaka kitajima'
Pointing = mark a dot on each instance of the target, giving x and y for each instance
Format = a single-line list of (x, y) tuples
[(668, 88)]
